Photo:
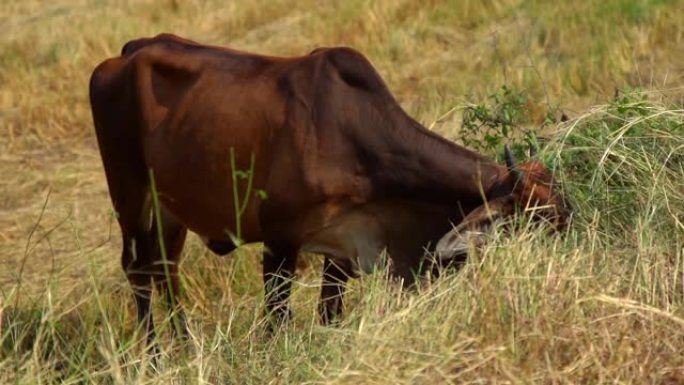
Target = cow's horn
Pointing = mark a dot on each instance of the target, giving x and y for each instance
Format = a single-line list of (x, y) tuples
[(533, 147), (511, 163), (510, 160)]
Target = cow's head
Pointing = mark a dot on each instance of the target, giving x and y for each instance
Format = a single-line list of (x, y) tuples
[(536, 191)]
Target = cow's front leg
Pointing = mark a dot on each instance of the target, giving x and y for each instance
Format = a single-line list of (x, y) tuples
[(279, 264), (335, 277)]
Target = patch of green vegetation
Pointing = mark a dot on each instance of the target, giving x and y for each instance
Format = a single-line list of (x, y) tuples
[(633, 11), (625, 158), (625, 162), (503, 119)]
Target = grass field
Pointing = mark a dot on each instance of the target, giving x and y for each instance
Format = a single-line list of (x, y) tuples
[(602, 303)]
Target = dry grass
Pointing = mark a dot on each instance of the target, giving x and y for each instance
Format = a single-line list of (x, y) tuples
[(601, 304)]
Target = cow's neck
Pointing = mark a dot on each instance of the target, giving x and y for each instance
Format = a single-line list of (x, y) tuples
[(422, 165)]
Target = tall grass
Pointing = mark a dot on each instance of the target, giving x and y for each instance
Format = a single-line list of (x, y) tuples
[(600, 303)]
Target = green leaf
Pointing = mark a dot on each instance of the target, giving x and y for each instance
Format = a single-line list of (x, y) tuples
[(261, 194)]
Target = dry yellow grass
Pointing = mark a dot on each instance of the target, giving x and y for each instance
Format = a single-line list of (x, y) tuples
[(551, 313)]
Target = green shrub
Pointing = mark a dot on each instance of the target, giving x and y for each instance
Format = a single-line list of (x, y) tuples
[(625, 161)]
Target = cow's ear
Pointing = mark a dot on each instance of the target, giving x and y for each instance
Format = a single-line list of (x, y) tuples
[(512, 164)]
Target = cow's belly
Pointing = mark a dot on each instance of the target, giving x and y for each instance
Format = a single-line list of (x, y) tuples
[(210, 221), (357, 237), (197, 189), (362, 233)]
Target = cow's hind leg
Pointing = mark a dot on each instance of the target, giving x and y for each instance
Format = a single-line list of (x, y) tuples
[(333, 285), (118, 135), (135, 263), (132, 208), (166, 276), (280, 259)]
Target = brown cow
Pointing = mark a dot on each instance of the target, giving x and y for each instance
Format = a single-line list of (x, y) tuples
[(347, 172)]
